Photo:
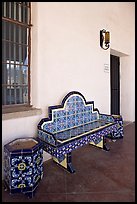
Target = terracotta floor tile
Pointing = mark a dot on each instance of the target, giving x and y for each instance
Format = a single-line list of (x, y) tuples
[(102, 197)]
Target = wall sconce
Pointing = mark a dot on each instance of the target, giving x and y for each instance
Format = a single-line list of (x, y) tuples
[(104, 39)]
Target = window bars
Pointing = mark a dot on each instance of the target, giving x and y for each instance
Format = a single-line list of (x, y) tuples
[(16, 26)]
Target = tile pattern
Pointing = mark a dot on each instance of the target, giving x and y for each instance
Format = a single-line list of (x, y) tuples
[(23, 167), (78, 142), (74, 113), (74, 124), (100, 177), (75, 119)]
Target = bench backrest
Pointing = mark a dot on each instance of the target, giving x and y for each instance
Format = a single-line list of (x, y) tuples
[(73, 111)]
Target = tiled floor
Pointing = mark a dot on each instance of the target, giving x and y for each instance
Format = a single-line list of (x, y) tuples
[(100, 176)]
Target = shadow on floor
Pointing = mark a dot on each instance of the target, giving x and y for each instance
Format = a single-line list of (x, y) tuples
[(100, 176)]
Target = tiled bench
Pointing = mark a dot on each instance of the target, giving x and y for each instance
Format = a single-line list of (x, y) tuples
[(74, 124)]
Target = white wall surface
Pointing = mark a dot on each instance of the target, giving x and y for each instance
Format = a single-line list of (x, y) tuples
[(66, 56)]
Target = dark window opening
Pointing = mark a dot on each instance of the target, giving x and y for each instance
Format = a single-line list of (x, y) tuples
[(16, 26)]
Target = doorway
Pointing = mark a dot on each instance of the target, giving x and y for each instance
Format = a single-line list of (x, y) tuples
[(115, 84)]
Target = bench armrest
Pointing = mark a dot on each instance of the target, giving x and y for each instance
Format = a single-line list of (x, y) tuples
[(47, 137), (108, 118)]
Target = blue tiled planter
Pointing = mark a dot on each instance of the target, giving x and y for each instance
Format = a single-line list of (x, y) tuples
[(23, 167)]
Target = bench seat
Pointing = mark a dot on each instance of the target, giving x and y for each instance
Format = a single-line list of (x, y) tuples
[(76, 132)]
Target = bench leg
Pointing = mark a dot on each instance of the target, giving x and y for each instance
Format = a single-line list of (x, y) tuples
[(65, 163), (105, 147), (101, 144)]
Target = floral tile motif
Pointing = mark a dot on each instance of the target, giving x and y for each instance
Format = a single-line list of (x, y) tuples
[(74, 123), (23, 169)]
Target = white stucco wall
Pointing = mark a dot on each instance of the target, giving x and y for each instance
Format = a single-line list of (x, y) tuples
[(66, 56)]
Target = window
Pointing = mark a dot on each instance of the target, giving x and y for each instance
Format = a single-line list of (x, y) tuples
[(16, 28)]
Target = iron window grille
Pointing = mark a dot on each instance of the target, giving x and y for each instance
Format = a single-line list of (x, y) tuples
[(16, 39)]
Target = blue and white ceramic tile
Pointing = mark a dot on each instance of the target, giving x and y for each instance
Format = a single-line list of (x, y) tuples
[(24, 170), (74, 118)]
